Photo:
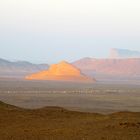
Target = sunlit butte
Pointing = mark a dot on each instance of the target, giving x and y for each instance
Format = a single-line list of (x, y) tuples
[(62, 71)]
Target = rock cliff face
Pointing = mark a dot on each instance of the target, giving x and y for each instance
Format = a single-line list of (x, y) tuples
[(62, 71)]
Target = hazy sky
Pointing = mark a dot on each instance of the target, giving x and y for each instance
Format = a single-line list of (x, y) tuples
[(54, 30)]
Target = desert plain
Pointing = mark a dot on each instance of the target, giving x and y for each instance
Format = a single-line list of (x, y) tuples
[(48, 110)]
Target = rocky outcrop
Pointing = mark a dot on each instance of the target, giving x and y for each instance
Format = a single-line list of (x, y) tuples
[(62, 71)]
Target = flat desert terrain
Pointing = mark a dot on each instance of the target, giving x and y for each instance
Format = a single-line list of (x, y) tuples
[(98, 98), (41, 110)]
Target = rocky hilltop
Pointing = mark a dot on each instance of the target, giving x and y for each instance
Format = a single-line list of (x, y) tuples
[(62, 71)]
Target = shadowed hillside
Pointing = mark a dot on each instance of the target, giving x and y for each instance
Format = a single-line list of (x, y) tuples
[(59, 124)]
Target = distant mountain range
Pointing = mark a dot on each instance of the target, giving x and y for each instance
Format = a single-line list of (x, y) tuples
[(19, 69), (92, 67), (124, 53), (112, 67)]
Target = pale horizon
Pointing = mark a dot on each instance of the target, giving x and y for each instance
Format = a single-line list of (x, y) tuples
[(43, 31)]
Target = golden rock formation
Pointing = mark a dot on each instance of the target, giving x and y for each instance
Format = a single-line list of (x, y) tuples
[(62, 71)]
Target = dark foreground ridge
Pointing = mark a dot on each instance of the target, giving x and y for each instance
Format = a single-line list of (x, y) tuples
[(55, 123)]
